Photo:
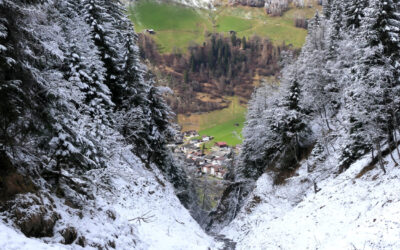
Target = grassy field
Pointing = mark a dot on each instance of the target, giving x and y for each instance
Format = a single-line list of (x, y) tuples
[(178, 26), (225, 124), (227, 23), (175, 25), (278, 29)]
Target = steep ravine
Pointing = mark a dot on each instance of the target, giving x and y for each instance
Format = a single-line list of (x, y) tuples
[(84, 161)]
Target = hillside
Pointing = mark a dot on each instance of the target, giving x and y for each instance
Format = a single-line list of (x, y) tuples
[(320, 155), (348, 212), (191, 25), (83, 154)]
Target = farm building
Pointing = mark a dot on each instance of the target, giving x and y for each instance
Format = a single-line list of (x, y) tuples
[(150, 31), (221, 144)]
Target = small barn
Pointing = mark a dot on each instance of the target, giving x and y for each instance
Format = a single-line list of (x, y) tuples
[(221, 144), (150, 31)]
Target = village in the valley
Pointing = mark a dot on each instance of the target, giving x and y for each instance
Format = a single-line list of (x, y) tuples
[(212, 160), (207, 163)]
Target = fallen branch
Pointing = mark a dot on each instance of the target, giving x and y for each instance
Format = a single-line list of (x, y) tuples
[(179, 222), (146, 218)]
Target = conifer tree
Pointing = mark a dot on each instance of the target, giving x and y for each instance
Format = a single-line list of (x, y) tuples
[(354, 12), (335, 32), (105, 37), (385, 28), (327, 8)]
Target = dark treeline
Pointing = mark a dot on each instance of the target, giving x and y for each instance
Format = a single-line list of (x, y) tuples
[(220, 66), (301, 23)]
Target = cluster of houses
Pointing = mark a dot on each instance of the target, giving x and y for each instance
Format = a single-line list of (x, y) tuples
[(217, 171), (212, 162)]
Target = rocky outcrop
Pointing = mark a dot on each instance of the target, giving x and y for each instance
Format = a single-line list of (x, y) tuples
[(12, 182), (34, 214), (70, 234), (229, 206)]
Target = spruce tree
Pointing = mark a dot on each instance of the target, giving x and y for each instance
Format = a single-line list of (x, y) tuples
[(354, 12), (105, 37), (327, 8), (386, 28)]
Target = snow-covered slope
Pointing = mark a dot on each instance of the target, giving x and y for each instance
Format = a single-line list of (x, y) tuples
[(309, 142), (349, 212), (13, 240), (133, 208), (165, 223), (78, 179)]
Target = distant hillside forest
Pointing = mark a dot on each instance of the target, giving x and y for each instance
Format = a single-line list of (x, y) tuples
[(221, 66)]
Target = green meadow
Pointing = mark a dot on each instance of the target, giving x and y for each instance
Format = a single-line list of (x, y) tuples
[(225, 124), (177, 26)]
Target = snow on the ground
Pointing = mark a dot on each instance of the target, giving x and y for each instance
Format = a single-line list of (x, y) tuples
[(149, 197), (347, 213), (133, 207), (13, 240)]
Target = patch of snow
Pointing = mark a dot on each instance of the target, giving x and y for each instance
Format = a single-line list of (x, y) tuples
[(149, 202), (2, 48), (347, 213), (135, 204), (13, 240)]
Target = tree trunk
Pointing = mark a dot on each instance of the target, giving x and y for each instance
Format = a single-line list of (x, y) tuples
[(326, 143), (381, 163), (295, 147), (391, 142), (391, 156), (372, 152), (326, 118), (396, 143), (395, 125)]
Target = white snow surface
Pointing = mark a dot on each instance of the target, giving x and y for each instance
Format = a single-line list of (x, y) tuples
[(145, 194), (13, 240), (129, 191), (347, 213)]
